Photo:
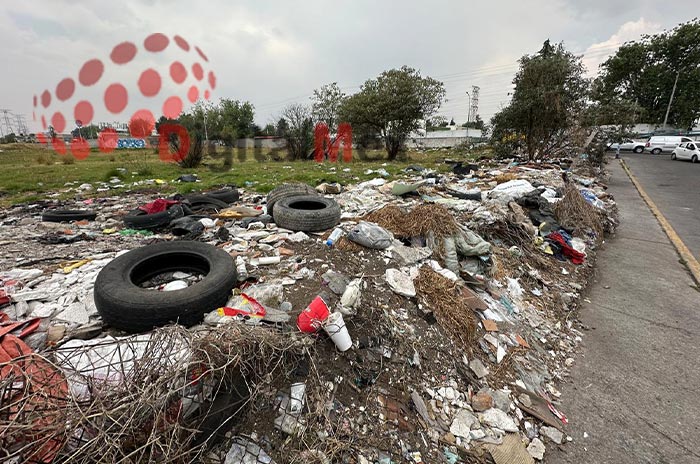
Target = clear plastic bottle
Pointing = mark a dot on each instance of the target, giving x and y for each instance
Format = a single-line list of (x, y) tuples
[(241, 269), (335, 235)]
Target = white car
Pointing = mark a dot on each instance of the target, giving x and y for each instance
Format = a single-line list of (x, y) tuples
[(687, 151), (667, 143), (628, 145)]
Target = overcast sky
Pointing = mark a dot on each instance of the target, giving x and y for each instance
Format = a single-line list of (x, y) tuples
[(276, 52)]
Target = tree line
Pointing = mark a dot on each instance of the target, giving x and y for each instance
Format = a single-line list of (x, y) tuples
[(553, 104)]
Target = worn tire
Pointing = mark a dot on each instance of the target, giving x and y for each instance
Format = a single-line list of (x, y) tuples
[(204, 202), (228, 196), (67, 215), (138, 219), (308, 213), (124, 305), (285, 191)]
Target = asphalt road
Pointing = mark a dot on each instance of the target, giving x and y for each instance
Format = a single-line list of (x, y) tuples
[(675, 188), (632, 396)]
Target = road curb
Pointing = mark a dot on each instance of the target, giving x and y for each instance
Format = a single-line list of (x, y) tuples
[(686, 256)]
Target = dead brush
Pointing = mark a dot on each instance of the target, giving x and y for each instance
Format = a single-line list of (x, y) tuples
[(419, 222), (140, 413), (575, 213), (443, 298)]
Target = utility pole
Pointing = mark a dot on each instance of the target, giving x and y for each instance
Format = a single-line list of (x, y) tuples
[(670, 100), (469, 108)]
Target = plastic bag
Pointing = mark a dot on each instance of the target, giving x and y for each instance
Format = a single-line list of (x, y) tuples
[(371, 235)]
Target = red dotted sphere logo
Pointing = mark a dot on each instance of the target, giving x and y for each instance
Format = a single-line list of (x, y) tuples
[(189, 74)]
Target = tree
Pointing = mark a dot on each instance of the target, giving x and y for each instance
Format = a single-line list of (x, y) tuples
[(392, 106), (548, 100), (227, 120), (478, 123), (644, 72), (299, 130), (269, 129), (325, 105), (437, 121), (282, 127)]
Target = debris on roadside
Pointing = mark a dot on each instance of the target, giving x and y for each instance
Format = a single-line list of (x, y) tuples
[(424, 317)]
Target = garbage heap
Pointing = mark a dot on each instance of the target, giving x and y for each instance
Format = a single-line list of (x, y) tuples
[(433, 323)]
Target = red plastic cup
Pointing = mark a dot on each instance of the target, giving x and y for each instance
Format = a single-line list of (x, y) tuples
[(312, 317)]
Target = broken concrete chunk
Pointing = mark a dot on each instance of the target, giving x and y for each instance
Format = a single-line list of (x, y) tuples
[(478, 368), (463, 423), (409, 255), (501, 399), (75, 313), (336, 281), (400, 282), (536, 449), (32, 295), (298, 237), (499, 419), (553, 434)]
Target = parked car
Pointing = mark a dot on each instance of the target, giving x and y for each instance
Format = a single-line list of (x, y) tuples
[(687, 151), (628, 145), (667, 143)]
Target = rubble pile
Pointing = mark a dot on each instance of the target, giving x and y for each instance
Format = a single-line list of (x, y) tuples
[(432, 324)]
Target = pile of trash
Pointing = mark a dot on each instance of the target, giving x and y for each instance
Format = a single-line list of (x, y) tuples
[(427, 318)]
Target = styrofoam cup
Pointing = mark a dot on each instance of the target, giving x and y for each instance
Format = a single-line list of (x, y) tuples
[(336, 329)]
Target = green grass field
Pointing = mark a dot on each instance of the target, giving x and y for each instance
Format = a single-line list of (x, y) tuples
[(30, 172)]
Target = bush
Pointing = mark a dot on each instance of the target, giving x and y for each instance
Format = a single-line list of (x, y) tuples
[(45, 158), (68, 159), (194, 155)]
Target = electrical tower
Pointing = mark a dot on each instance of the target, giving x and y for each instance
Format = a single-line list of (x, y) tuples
[(21, 124), (5, 125), (474, 106)]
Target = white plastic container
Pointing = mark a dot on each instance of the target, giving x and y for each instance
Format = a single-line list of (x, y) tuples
[(297, 397), (264, 260), (334, 236), (336, 329)]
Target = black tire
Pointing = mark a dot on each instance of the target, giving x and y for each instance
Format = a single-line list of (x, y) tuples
[(638, 149), (124, 305), (204, 202), (67, 215), (229, 195), (673, 156), (694, 159), (138, 219), (285, 191), (656, 151), (307, 213)]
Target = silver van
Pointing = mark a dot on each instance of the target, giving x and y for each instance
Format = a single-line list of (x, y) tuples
[(667, 143)]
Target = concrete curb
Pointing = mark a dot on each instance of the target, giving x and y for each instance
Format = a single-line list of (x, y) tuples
[(686, 256)]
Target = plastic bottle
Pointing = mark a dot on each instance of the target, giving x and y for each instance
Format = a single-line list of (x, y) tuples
[(335, 235), (241, 269)]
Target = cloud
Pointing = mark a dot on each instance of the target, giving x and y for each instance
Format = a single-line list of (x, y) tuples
[(276, 52), (597, 53)]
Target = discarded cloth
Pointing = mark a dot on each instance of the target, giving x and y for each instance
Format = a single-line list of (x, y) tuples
[(158, 206), (567, 250)]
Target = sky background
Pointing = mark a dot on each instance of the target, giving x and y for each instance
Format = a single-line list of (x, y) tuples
[(276, 52)]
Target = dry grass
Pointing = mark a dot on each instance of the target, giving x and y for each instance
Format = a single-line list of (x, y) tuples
[(420, 221), (575, 213), (132, 407), (443, 297)]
